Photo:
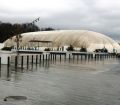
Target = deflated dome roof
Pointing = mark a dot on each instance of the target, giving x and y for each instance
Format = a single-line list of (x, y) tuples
[(77, 38)]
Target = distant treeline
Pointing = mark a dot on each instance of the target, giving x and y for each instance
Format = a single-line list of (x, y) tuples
[(8, 30)]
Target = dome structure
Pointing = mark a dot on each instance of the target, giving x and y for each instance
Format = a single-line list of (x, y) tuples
[(77, 38)]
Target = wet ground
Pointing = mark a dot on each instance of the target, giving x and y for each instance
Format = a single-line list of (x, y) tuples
[(63, 83)]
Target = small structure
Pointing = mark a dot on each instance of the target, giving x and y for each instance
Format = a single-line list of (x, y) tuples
[(39, 47)]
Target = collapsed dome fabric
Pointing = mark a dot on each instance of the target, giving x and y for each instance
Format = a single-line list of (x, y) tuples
[(78, 38)]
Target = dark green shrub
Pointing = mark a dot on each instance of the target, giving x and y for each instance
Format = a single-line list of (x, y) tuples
[(70, 48), (47, 49), (83, 49), (7, 48), (101, 50), (105, 50)]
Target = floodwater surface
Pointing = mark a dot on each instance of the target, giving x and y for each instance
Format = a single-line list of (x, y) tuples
[(63, 83)]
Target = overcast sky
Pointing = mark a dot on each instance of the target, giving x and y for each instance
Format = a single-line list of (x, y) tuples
[(97, 15)]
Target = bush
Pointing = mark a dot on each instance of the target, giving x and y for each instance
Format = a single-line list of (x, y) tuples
[(83, 49), (70, 48), (101, 50), (7, 48), (47, 49), (105, 50)]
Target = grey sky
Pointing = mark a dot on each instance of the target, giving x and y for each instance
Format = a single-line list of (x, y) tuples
[(97, 15)]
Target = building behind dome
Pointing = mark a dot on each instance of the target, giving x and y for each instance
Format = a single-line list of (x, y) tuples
[(64, 38)]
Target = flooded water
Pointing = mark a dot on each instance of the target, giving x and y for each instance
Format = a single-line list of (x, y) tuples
[(63, 83)]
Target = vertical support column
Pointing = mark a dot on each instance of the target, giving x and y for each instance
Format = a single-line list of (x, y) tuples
[(95, 56), (51, 56), (55, 57), (16, 61), (8, 65), (77, 57), (40, 58), (73, 57), (46, 57), (0, 66), (85, 56), (104, 56), (92, 56), (81, 57), (36, 59), (21, 61), (27, 61), (0, 63), (60, 57), (69, 57), (32, 59), (100, 57), (88, 57), (65, 56), (43, 57)]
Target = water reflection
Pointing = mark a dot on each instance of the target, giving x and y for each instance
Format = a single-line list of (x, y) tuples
[(7, 71)]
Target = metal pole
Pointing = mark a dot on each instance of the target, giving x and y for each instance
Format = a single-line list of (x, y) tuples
[(32, 59), (21, 61), (16, 61), (36, 59), (0, 62), (27, 61)]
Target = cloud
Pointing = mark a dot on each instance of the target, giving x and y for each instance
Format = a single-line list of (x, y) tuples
[(97, 15)]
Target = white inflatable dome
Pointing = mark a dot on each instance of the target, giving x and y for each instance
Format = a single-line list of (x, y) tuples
[(78, 38)]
